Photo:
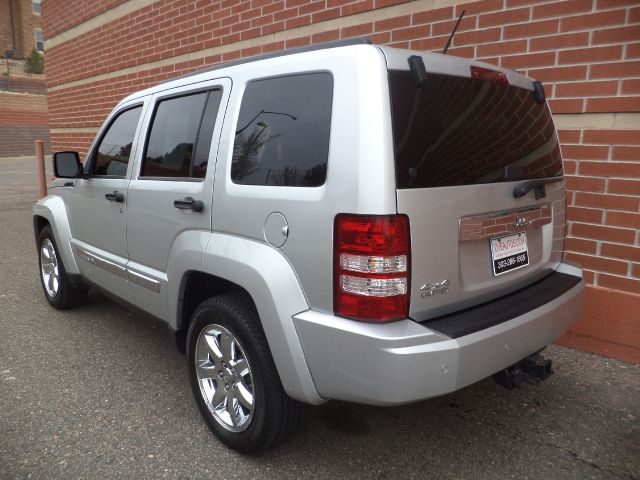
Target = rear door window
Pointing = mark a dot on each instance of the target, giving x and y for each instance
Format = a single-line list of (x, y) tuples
[(180, 136), (282, 135), (462, 131)]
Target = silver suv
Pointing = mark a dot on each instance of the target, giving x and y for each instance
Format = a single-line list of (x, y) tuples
[(345, 221)]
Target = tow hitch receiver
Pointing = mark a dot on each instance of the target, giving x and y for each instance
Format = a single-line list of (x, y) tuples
[(533, 369)]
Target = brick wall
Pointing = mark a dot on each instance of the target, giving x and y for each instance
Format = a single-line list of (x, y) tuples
[(24, 23), (23, 119), (587, 52), (61, 16), (21, 84), (5, 27)]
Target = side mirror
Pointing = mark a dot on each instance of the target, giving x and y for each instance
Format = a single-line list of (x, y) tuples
[(66, 164)]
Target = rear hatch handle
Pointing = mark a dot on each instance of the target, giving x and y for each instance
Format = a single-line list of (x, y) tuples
[(536, 185)]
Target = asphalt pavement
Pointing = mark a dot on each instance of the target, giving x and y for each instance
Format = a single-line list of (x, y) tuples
[(99, 392)]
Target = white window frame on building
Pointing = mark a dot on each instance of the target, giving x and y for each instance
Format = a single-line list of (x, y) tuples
[(37, 5), (37, 33)]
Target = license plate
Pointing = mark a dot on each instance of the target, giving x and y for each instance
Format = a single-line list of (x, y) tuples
[(509, 253)]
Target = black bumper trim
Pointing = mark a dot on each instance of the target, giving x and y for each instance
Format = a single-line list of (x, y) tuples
[(505, 308)]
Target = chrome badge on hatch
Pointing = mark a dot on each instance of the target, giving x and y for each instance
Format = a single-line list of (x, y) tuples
[(522, 222), (436, 288)]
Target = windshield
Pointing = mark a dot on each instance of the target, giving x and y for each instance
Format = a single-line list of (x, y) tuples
[(461, 131)]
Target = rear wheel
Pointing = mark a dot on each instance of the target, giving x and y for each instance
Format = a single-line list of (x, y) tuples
[(59, 290), (233, 377)]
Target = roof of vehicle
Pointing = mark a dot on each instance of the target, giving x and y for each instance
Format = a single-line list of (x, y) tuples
[(290, 51), (256, 58), (396, 59)]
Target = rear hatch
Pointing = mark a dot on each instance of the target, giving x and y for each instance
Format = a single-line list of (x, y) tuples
[(479, 174)]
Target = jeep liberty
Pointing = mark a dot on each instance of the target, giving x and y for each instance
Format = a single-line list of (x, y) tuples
[(344, 221)]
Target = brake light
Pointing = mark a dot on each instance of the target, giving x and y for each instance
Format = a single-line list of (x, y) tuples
[(371, 267), (479, 73)]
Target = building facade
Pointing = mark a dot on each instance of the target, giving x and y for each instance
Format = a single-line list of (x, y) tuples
[(20, 28), (23, 101), (587, 53)]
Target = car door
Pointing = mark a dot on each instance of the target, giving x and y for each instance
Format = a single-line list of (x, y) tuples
[(170, 193), (97, 206)]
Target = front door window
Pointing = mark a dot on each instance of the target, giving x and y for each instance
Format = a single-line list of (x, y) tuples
[(114, 149)]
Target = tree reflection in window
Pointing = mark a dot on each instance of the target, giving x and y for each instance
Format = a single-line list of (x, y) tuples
[(174, 132), (283, 130), (114, 151)]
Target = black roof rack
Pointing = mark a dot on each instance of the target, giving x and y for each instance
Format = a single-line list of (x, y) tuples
[(291, 51)]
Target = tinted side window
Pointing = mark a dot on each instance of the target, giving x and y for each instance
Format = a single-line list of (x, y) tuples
[(282, 136), (203, 144), (172, 140), (114, 150)]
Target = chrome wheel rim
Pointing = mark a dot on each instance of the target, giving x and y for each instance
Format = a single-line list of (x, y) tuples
[(224, 377), (49, 268)]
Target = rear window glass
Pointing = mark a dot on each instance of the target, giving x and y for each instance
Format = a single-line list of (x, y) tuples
[(282, 135), (461, 131)]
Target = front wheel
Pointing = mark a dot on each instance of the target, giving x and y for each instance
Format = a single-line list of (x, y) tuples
[(57, 287), (233, 377)]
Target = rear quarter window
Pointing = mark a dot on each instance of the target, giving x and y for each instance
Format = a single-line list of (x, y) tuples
[(282, 134)]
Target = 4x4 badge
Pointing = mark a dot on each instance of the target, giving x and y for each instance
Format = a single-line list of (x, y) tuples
[(522, 222), (436, 288)]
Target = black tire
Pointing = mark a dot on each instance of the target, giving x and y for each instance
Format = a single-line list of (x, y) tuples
[(274, 414), (66, 294)]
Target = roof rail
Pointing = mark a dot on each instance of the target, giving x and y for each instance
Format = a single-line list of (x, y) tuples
[(291, 51)]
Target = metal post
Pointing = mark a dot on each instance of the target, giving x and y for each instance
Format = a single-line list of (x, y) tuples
[(42, 179), (13, 26), (8, 55)]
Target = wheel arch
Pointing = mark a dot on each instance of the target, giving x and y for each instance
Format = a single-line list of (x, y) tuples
[(51, 211), (39, 222), (265, 277), (195, 287)]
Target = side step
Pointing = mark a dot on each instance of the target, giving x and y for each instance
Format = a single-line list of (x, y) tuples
[(533, 370)]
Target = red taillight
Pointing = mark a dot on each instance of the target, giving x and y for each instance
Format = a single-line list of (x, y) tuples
[(479, 73), (371, 267)]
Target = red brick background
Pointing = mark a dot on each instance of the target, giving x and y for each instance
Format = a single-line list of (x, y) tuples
[(587, 53), (23, 119)]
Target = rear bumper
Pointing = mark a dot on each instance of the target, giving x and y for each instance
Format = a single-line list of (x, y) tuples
[(404, 361)]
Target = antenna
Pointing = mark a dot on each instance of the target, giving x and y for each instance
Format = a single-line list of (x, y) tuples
[(446, 47)]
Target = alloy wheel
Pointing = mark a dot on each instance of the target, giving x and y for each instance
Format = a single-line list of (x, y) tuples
[(49, 268), (224, 377)]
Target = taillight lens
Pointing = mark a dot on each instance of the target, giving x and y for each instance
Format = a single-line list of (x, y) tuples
[(371, 267), (479, 73)]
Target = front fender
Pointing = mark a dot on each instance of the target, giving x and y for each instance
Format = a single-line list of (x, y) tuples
[(53, 209), (270, 280)]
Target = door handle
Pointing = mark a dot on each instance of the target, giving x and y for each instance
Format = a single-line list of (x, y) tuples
[(188, 203), (115, 196)]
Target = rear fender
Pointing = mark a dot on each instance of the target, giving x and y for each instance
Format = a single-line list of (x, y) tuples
[(267, 276)]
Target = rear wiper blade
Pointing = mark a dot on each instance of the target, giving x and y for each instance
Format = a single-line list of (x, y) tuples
[(536, 185)]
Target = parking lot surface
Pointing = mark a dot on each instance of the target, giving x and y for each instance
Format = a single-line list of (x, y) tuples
[(101, 392)]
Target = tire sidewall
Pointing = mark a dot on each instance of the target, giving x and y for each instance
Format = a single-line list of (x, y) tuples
[(47, 234), (208, 314)]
